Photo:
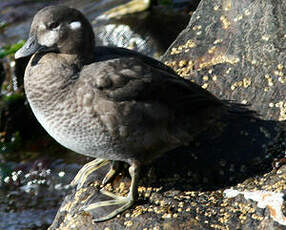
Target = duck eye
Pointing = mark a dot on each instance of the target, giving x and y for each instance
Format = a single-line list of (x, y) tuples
[(53, 25)]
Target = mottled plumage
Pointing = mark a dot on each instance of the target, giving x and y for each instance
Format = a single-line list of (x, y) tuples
[(108, 103)]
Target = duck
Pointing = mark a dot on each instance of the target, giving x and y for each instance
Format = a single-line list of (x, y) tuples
[(109, 103)]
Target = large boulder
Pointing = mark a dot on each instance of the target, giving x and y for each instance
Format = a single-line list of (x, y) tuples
[(236, 50)]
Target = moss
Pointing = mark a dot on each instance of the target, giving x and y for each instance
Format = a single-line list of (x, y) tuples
[(10, 49), (10, 99)]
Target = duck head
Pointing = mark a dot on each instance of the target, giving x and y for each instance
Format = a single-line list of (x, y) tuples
[(59, 29)]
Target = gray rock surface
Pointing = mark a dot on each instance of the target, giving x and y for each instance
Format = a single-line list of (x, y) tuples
[(236, 50)]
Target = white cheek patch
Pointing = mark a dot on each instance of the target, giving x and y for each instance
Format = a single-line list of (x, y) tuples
[(75, 25), (42, 26), (49, 38)]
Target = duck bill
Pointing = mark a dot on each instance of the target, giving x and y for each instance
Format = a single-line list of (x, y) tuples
[(30, 47)]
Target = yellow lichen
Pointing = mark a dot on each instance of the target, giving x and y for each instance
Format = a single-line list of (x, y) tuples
[(247, 12), (246, 82), (238, 18), (279, 66), (216, 8), (189, 44), (214, 77), (225, 22), (219, 59), (217, 41), (227, 5), (212, 50), (205, 85), (205, 78), (265, 37)]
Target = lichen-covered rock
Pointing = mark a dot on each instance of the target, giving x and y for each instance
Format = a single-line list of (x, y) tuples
[(175, 203), (236, 50)]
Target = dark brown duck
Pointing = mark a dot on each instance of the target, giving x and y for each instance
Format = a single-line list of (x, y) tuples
[(108, 103)]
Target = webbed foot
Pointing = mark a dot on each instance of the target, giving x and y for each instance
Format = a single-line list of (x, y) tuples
[(86, 170), (124, 202)]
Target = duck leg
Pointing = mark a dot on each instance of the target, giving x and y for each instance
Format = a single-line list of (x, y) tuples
[(112, 172), (86, 170), (125, 202)]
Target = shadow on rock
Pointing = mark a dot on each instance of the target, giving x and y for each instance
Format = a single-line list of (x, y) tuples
[(242, 146)]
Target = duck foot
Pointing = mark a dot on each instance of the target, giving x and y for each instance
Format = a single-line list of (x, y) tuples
[(86, 170), (124, 202)]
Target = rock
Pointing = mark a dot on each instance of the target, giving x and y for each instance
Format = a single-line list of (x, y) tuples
[(224, 179), (236, 50), (32, 193), (256, 203), (150, 32)]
